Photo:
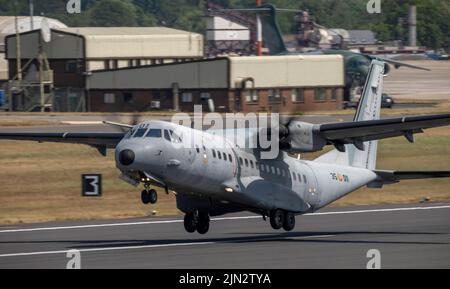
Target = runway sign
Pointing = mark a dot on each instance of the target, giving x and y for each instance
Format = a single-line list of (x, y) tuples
[(91, 185)]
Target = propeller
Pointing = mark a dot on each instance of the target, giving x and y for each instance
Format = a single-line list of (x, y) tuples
[(135, 120)]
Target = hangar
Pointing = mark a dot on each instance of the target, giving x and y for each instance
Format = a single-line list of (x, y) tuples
[(227, 84), (72, 54)]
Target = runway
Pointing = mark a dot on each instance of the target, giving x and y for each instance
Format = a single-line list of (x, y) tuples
[(413, 236)]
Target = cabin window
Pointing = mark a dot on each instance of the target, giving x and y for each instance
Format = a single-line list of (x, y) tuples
[(299, 178), (262, 168), (246, 163), (224, 156), (305, 180), (197, 149), (252, 164), (154, 133), (241, 161), (219, 155), (214, 153), (278, 172), (230, 158), (294, 176), (140, 132), (273, 170)]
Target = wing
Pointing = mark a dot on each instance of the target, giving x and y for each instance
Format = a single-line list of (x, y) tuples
[(362, 131), (399, 64), (392, 177), (99, 140)]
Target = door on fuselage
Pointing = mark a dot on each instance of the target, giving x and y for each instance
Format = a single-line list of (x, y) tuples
[(312, 193)]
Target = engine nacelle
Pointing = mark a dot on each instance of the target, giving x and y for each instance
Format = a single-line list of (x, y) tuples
[(303, 137)]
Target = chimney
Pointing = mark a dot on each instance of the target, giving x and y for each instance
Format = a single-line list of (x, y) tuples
[(412, 26)]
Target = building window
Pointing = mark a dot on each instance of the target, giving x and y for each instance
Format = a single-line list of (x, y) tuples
[(334, 94), (127, 97), (186, 97), (252, 95), (298, 95), (205, 95), (320, 94), (109, 98), (274, 95), (72, 66)]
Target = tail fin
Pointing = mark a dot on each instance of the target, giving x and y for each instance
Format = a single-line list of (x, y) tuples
[(369, 109), (271, 32)]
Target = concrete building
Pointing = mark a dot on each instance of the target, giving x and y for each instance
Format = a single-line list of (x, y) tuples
[(230, 84), (73, 53)]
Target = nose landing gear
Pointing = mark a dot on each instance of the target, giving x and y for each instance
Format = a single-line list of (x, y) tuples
[(149, 196)]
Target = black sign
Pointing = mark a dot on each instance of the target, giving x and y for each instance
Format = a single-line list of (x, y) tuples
[(91, 185)]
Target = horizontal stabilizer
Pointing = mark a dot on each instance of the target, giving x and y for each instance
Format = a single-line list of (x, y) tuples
[(392, 177)]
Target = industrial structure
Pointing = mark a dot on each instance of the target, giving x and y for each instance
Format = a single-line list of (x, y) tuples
[(73, 53), (227, 84), (24, 24)]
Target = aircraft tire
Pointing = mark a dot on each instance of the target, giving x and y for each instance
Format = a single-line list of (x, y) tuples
[(276, 219), (190, 222), (289, 222), (153, 197), (203, 223), (145, 198)]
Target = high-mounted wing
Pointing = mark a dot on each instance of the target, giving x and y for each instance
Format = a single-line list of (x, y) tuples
[(363, 131), (100, 140)]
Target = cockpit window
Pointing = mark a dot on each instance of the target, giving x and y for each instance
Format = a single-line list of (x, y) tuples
[(130, 133), (140, 132), (155, 133), (167, 135), (175, 137)]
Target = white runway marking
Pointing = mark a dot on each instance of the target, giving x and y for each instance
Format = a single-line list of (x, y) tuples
[(218, 219), (152, 246)]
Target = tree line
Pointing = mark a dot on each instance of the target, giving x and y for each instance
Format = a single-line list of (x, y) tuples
[(391, 24)]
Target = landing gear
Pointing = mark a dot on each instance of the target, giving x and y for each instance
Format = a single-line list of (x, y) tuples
[(281, 219), (197, 221), (203, 223), (190, 222), (276, 219), (149, 196), (289, 222)]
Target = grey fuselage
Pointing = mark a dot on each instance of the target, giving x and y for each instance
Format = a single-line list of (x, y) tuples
[(238, 179)]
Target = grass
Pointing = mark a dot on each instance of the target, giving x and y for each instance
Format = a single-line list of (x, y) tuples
[(41, 182)]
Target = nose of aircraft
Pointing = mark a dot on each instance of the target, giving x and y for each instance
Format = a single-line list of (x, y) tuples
[(126, 157)]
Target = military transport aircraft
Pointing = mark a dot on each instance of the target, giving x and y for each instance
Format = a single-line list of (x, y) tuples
[(210, 179)]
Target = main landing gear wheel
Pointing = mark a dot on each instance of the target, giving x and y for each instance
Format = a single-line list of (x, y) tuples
[(289, 222), (190, 222), (203, 223), (149, 197), (196, 221), (276, 219)]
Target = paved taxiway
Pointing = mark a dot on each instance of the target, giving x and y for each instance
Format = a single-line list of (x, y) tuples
[(413, 236)]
